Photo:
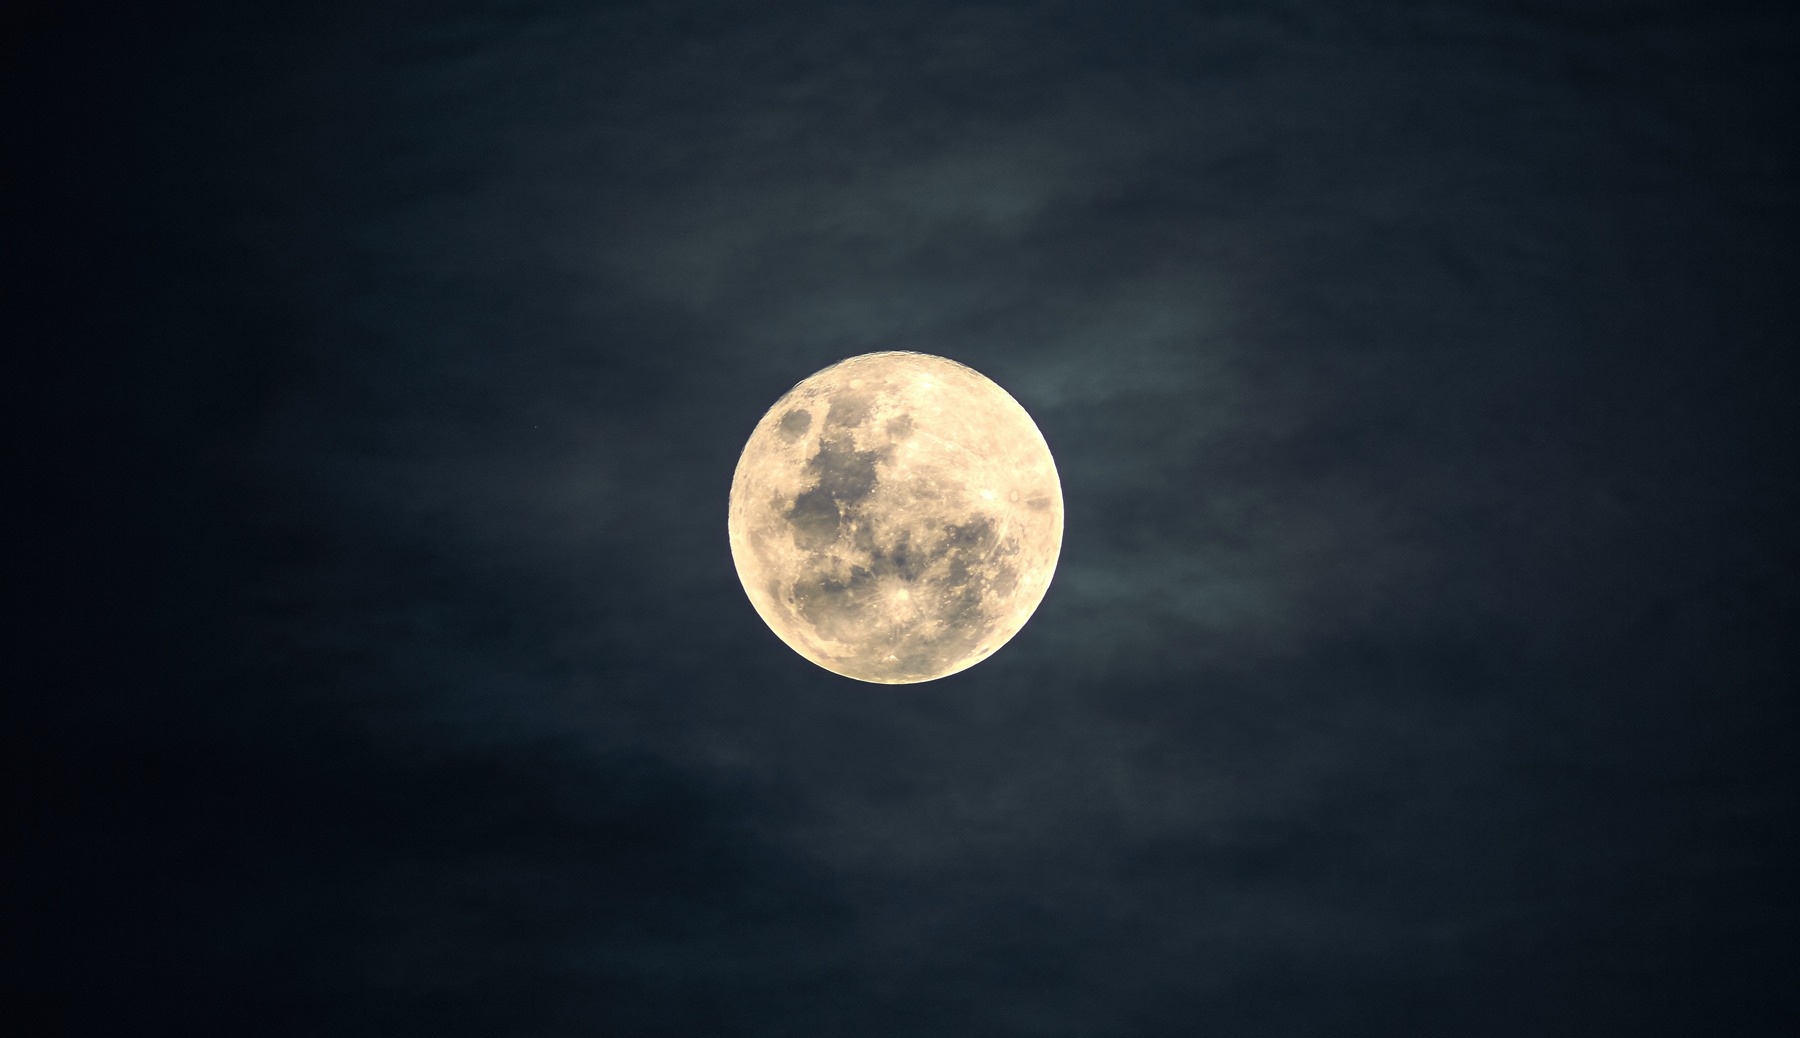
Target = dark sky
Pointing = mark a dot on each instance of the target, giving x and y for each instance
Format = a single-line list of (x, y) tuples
[(1419, 661)]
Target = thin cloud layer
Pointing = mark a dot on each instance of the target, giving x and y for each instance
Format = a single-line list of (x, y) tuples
[(1401, 367)]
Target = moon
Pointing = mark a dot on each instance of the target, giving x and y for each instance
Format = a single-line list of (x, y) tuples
[(896, 517)]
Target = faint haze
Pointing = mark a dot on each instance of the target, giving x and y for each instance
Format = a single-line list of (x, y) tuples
[(1415, 373)]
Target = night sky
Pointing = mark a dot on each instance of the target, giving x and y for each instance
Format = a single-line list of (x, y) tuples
[(1421, 656)]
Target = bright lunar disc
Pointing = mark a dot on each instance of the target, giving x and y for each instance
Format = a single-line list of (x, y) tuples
[(896, 517)]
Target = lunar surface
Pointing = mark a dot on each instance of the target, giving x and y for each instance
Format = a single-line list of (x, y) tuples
[(896, 517)]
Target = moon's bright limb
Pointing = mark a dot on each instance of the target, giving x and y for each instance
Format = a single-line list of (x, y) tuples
[(896, 517)]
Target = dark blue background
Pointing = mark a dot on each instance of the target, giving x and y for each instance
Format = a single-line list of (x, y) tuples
[(1419, 662)]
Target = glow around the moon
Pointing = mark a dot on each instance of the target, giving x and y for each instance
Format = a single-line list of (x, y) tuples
[(896, 517)]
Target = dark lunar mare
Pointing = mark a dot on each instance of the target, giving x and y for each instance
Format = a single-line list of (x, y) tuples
[(846, 478), (834, 511), (794, 424)]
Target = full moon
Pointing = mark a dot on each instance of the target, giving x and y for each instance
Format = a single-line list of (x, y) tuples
[(896, 517)]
